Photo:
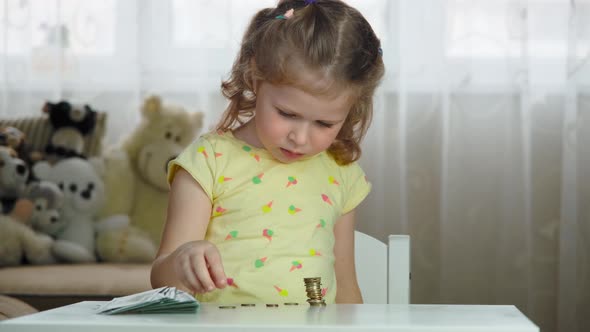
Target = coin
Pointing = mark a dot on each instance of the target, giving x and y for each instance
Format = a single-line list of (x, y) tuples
[(227, 307), (317, 304), (315, 300), (311, 280)]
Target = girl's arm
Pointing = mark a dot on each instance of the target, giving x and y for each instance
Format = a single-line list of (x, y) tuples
[(184, 259), (347, 290)]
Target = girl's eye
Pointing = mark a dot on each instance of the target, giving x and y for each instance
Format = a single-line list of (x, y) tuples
[(287, 115), (325, 124)]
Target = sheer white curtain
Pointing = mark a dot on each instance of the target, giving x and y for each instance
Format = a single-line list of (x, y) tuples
[(479, 149)]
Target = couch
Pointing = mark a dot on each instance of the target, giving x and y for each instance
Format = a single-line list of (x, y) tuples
[(49, 286), (27, 288)]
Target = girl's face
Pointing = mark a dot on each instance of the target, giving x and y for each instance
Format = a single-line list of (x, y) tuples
[(293, 124)]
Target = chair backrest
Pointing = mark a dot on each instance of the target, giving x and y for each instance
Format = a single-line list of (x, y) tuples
[(398, 272), (383, 269), (370, 256)]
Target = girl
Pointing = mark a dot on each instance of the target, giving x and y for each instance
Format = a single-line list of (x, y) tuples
[(269, 198)]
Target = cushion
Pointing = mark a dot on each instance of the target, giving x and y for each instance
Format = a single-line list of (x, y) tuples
[(11, 308), (38, 130), (78, 279), (49, 286)]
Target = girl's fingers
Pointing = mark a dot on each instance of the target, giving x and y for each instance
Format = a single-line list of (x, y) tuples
[(216, 271), (202, 273), (190, 277)]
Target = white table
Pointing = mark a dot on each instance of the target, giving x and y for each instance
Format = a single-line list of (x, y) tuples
[(81, 317)]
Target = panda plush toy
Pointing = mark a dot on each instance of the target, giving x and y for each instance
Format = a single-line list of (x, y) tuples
[(71, 124)]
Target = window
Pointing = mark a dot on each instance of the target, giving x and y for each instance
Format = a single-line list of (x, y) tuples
[(77, 27)]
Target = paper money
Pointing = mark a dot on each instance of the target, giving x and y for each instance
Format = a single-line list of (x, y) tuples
[(160, 300)]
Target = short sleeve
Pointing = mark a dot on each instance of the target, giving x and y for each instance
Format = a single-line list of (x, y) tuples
[(198, 159), (357, 187)]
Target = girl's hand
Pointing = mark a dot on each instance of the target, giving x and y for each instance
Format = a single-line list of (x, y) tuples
[(198, 266)]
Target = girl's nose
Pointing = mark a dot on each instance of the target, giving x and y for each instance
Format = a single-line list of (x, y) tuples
[(299, 134)]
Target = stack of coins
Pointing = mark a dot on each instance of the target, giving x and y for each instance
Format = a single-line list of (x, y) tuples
[(313, 287)]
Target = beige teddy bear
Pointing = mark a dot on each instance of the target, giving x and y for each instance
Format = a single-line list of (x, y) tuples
[(135, 172), (19, 243), (118, 242)]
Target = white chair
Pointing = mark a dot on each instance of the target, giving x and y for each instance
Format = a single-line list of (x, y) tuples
[(383, 270)]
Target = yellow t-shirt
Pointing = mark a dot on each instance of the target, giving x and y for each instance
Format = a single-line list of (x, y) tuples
[(272, 222)]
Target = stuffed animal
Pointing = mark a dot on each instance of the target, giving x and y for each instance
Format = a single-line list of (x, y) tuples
[(135, 177), (71, 123), (14, 138), (117, 241), (19, 243), (11, 137), (80, 236), (47, 200), (14, 174), (83, 193)]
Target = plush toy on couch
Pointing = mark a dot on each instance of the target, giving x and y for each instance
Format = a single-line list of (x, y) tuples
[(18, 242), (135, 172), (80, 237), (71, 123), (14, 138), (83, 196), (117, 241), (14, 174), (47, 200)]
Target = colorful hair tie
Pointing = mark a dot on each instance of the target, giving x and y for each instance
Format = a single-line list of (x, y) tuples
[(310, 2), (380, 51), (286, 15)]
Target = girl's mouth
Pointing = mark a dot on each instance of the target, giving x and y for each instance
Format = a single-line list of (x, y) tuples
[(290, 154)]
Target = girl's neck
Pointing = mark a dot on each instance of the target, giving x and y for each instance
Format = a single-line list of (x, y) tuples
[(247, 133)]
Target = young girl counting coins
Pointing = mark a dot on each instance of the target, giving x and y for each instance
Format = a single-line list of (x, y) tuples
[(269, 198)]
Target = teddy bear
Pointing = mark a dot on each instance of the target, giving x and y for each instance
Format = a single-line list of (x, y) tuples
[(135, 177), (83, 195), (14, 174), (71, 123), (119, 242), (21, 244), (81, 236)]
